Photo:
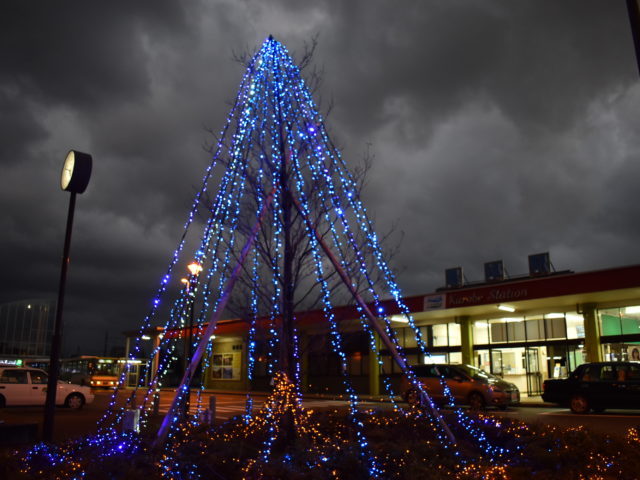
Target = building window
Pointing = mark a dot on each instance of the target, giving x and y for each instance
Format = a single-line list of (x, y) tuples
[(610, 322), (436, 357), (630, 320), (481, 332), (26, 327), (355, 363), (555, 327), (440, 335), (387, 364), (620, 321), (622, 352), (411, 359), (498, 331), (410, 340), (515, 329), (455, 357), (445, 335), (454, 335), (534, 328), (575, 325)]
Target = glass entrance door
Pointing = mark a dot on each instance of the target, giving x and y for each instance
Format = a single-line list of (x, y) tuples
[(497, 366), (132, 375), (534, 376)]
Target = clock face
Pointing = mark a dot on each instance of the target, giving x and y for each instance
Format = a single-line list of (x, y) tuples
[(67, 170), (76, 172)]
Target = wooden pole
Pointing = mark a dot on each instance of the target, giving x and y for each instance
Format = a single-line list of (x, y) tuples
[(204, 340), (425, 401)]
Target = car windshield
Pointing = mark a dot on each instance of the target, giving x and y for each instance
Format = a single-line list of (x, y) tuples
[(38, 377), (476, 372)]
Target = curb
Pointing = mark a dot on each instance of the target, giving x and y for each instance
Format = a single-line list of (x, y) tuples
[(363, 398)]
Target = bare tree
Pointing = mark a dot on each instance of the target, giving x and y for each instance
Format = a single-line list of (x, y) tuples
[(285, 278)]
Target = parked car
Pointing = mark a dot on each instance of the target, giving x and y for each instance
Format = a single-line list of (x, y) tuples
[(468, 385), (596, 386), (28, 386)]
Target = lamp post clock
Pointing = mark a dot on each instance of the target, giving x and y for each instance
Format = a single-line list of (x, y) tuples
[(76, 172)]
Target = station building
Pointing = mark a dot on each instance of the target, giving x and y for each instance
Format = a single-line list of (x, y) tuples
[(524, 329), (26, 329)]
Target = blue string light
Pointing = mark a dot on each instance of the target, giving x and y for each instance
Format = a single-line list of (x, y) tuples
[(273, 127)]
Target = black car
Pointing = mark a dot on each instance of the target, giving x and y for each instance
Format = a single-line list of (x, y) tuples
[(596, 386)]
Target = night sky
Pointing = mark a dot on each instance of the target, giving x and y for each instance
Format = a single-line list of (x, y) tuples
[(498, 129)]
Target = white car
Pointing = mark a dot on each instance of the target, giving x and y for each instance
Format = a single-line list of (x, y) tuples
[(28, 386)]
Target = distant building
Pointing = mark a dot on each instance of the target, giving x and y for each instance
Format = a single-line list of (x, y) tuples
[(26, 329)]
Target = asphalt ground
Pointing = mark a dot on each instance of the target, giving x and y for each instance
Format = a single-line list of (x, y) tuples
[(70, 424)]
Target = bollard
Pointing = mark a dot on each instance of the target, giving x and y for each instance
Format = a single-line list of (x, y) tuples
[(131, 421), (212, 408), (156, 402), (205, 417)]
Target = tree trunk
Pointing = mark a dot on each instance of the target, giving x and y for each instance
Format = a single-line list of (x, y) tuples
[(287, 352)]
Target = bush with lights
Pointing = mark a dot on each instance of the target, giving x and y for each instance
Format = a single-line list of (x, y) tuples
[(325, 445)]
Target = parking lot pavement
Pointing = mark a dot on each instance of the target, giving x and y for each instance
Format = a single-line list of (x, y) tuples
[(74, 423), (230, 405), (67, 423)]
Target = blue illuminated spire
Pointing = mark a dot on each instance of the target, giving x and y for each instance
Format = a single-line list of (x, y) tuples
[(275, 153)]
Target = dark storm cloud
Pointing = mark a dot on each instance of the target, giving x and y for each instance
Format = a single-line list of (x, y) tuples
[(19, 127), (483, 113), (81, 53), (63, 67), (499, 129), (540, 62)]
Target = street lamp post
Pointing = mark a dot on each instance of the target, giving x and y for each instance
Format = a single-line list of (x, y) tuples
[(76, 173), (633, 7), (190, 284)]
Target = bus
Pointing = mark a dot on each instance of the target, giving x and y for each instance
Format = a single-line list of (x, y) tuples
[(41, 363), (100, 372)]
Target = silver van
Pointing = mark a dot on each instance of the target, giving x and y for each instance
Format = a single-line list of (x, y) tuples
[(468, 386)]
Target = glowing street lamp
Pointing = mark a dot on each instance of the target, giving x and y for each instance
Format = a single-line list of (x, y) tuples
[(194, 268)]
